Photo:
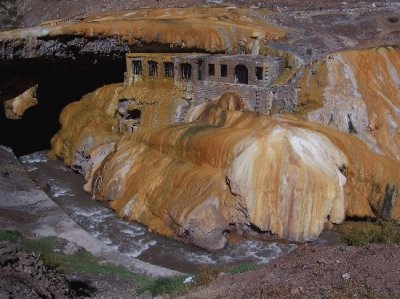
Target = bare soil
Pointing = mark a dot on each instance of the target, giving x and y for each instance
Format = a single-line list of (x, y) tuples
[(23, 275), (317, 272)]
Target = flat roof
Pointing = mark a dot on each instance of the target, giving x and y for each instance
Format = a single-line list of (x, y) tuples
[(201, 55), (181, 55)]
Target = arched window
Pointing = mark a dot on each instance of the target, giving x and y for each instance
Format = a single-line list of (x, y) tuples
[(241, 74)]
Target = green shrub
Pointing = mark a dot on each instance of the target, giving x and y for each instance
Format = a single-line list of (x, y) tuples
[(242, 268), (390, 233), (164, 285), (207, 274), (9, 235), (366, 232)]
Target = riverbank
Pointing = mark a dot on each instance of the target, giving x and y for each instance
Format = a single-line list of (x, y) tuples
[(325, 268), (28, 209), (131, 239)]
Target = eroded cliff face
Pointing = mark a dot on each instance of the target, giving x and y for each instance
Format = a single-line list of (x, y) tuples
[(111, 111), (357, 91), (226, 30), (226, 168)]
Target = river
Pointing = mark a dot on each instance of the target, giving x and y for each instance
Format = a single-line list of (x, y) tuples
[(65, 187)]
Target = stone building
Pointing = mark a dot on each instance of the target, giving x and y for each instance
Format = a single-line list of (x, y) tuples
[(202, 77)]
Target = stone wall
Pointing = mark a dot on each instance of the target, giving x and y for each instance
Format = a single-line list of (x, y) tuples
[(271, 66), (255, 97), (199, 86)]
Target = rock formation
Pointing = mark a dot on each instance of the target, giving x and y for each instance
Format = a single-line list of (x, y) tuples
[(15, 108), (359, 94), (227, 30), (228, 166), (197, 170)]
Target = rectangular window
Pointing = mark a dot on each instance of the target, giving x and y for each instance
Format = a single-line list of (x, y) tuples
[(259, 73), (211, 69), (152, 68), (200, 66), (137, 67), (224, 70), (168, 69), (186, 70)]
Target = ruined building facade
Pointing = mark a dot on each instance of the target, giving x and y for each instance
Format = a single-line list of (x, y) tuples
[(202, 77)]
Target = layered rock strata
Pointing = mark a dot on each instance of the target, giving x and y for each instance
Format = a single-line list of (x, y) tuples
[(358, 92)]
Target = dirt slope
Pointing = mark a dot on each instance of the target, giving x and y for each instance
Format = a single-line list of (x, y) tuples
[(317, 272)]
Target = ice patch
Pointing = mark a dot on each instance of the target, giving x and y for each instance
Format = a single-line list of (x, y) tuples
[(202, 259), (133, 232), (63, 168), (7, 149), (134, 253), (142, 247), (257, 251), (108, 241), (188, 280), (31, 168), (39, 157), (88, 214), (95, 234), (58, 191)]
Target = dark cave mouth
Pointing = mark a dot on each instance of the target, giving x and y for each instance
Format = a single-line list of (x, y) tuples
[(66, 68), (60, 83)]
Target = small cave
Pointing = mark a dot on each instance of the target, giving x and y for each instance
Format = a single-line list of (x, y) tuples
[(134, 114), (393, 19), (60, 83), (81, 288), (129, 118)]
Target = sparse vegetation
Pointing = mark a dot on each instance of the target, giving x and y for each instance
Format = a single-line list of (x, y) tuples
[(365, 232), (81, 261), (207, 274), (84, 262), (242, 268), (164, 285)]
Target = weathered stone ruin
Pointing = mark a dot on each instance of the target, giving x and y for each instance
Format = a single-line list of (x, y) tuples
[(202, 77)]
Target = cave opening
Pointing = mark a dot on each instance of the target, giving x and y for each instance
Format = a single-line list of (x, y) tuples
[(134, 114), (60, 83)]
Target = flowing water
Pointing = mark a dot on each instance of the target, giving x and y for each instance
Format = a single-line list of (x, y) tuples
[(65, 187)]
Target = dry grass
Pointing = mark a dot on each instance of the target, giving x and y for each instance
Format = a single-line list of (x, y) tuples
[(365, 232)]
